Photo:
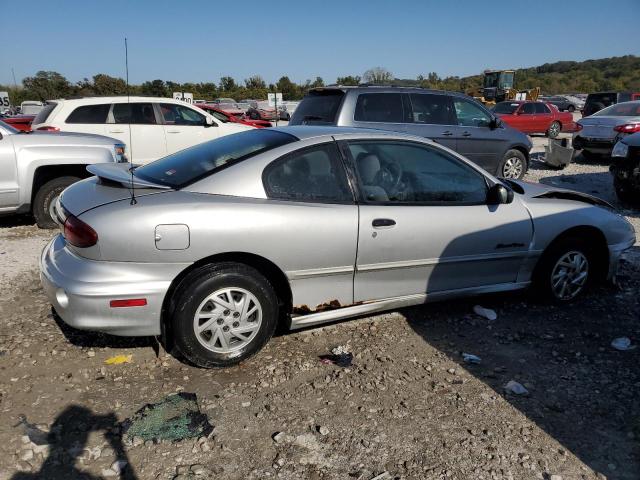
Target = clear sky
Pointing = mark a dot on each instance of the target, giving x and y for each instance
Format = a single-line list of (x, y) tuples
[(204, 40)]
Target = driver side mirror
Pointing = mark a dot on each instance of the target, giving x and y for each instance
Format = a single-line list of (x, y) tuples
[(494, 123), (208, 122), (498, 194)]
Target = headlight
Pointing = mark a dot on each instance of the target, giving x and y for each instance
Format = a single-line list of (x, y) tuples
[(120, 150), (621, 149)]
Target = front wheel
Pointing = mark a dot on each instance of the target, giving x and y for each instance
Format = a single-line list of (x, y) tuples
[(513, 165), (45, 200), (565, 270), (223, 314), (625, 191), (554, 130)]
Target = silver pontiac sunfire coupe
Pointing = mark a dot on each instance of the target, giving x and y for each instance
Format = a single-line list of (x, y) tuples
[(215, 245)]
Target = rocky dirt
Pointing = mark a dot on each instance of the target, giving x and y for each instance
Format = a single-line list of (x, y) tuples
[(408, 406)]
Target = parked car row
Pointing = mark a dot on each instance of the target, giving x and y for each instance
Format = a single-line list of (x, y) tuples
[(535, 117)]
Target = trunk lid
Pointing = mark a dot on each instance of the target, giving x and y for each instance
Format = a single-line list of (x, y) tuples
[(602, 126)]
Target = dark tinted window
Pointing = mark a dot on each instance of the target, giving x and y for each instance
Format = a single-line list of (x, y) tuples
[(506, 107), (431, 109), (403, 172), (318, 107), (43, 114), (528, 109), (598, 101), (192, 164), (178, 115), (470, 114), (541, 108), (380, 107), (89, 114), (136, 113), (311, 175)]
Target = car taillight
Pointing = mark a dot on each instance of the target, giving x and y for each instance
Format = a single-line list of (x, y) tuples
[(578, 127), (48, 129), (78, 233), (628, 128)]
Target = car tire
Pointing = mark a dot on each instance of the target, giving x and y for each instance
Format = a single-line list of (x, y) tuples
[(554, 130), (571, 109), (212, 293), (45, 199), (625, 192), (551, 274), (513, 165)]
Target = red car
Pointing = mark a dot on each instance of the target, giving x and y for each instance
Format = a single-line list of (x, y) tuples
[(225, 117), (535, 117), (21, 122)]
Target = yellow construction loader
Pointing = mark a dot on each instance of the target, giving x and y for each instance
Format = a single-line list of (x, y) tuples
[(497, 86)]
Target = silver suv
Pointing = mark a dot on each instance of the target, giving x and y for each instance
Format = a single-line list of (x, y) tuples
[(451, 119)]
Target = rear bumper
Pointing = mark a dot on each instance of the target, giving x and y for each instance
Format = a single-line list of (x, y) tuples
[(80, 290), (600, 145)]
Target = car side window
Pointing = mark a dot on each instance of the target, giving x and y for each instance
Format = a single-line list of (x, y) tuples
[(219, 116), (393, 172), (379, 107), (134, 113), (528, 109), (432, 109), (178, 115), (89, 114), (541, 108), (470, 114), (314, 174)]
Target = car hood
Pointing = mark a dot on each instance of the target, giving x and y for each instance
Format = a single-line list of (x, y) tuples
[(43, 139), (537, 190)]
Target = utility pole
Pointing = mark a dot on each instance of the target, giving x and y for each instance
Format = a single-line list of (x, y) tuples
[(15, 84)]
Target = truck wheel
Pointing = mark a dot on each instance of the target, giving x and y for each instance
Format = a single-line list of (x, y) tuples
[(554, 130), (45, 199), (223, 313)]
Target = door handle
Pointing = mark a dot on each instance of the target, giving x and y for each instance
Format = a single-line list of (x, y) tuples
[(173, 131), (116, 131), (383, 222), (447, 133), (466, 134)]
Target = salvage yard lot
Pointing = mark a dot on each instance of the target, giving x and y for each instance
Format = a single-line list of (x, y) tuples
[(408, 405)]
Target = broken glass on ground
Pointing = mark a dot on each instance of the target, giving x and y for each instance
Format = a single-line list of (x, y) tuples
[(175, 418)]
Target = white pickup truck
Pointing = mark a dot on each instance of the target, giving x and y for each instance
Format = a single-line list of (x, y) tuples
[(36, 167)]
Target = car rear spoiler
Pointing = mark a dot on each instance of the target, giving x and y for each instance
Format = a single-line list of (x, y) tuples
[(121, 173)]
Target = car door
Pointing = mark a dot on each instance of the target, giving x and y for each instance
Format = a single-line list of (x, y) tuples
[(543, 117), (185, 127), (432, 116), (425, 226), (9, 190), (140, 123), (479, 138), (527, 118), (310, 192)]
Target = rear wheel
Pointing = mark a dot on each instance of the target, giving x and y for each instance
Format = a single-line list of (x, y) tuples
[(565, 270), (513, 165), (45, 199), (223, 314), (554, 130), (571, 108)]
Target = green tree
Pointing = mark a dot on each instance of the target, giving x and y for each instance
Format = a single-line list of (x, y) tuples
[(107, 85), (47, 85), (288, 89), (155, 88), (255, 83), (348, 80), (318, 82), (377, 75), (228, 84)]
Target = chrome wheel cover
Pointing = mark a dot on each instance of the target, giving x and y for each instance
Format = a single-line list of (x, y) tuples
[(513, 168), (227, 320), (569, 275), (554, 129)]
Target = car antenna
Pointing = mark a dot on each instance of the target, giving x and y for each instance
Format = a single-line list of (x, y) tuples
[(126, 64)]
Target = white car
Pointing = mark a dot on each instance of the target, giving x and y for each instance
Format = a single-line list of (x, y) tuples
[(150, 127)]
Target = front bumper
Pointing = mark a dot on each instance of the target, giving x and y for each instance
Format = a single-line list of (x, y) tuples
[(80, 290), (615, 252)]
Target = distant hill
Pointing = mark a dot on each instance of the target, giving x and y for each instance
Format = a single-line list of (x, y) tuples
[(614, 73)]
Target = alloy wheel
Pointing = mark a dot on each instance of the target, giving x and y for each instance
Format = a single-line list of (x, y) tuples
[(554, 130), (569, 275), (227, 320), (513, 168)]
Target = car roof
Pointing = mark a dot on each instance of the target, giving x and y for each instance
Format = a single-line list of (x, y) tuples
[(119, 98), (388, 88)]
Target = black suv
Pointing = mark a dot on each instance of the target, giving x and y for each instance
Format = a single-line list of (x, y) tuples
[(597, 101), (452, 119)]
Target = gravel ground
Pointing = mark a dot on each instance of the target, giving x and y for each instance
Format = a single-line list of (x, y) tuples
[(408, 407)]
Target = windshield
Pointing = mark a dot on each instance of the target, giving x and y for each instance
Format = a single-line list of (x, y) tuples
[(505, 107), (8, 127), (190, 165), (506, 80), (490, 80), (625, 109), (43, 114)]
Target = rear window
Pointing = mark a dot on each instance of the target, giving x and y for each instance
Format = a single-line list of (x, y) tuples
[(318, 108), (598, 101), (89, 114), (627, 109), (541, 108), (190, 165), (43, 114), (506, 107)]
